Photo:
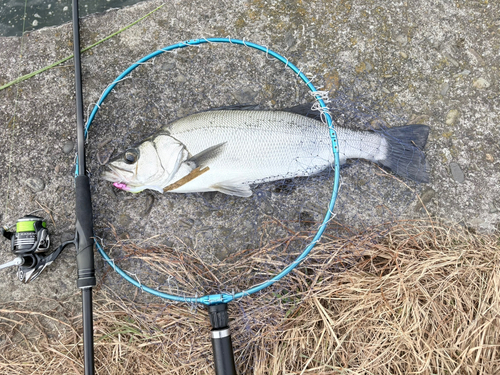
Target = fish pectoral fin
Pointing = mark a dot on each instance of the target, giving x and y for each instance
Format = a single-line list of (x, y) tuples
[(233, 187), (203, 158)]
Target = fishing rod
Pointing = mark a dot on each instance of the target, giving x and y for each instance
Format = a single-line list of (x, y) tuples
[(84, 227)]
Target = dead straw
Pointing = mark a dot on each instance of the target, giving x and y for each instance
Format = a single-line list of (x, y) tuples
[(419, 298)]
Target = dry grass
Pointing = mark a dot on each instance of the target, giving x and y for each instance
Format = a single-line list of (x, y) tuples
[(421, 298)]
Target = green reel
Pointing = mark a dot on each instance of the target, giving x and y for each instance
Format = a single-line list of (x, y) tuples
[(30, 242), (31, 236)]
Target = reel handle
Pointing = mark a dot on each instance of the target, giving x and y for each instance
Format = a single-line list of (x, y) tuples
[(222, 345), (16, 262)]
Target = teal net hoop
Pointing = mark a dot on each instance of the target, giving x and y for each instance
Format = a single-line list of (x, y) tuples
[(224, 298)]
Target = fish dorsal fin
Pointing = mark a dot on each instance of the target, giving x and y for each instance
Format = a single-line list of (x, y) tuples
[(301, 109), (304, 110), (203, 158), (233, 187), (236, 107)]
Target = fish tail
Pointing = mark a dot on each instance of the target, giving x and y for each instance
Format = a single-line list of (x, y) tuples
[(404, 151)]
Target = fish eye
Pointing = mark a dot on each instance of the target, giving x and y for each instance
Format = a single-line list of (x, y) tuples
[(130, 156)]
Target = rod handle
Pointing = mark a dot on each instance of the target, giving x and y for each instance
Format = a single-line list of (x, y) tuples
[(84, 234)]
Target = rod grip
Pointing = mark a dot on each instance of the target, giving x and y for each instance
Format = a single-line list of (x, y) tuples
[(221, 340), (84, 233)]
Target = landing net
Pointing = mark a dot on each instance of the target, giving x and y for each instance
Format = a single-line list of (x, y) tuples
[(212, 234)]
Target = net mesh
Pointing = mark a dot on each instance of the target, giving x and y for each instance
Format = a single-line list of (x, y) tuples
[(229, 243)]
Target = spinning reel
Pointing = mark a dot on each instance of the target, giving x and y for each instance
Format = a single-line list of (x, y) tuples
[(30, 242)]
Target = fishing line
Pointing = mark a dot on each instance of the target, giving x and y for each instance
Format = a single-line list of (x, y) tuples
[(320, 98)]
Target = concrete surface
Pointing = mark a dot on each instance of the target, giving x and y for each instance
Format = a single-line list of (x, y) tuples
[(431, 62)]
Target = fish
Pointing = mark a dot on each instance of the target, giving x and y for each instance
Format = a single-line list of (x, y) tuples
[(229, 150)]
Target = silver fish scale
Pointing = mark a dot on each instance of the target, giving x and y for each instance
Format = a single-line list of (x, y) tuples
[(263, 146), (258, 145)]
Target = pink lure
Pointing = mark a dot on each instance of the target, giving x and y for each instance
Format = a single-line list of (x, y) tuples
[(121, 186)]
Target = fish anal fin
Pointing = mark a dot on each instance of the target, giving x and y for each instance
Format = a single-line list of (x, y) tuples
[(236, 188)]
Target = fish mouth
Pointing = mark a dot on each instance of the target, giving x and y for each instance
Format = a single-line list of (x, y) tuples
[(117, 176), (121, 179)]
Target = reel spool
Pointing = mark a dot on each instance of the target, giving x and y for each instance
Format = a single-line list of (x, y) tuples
[(31, 243), (31, 236)]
